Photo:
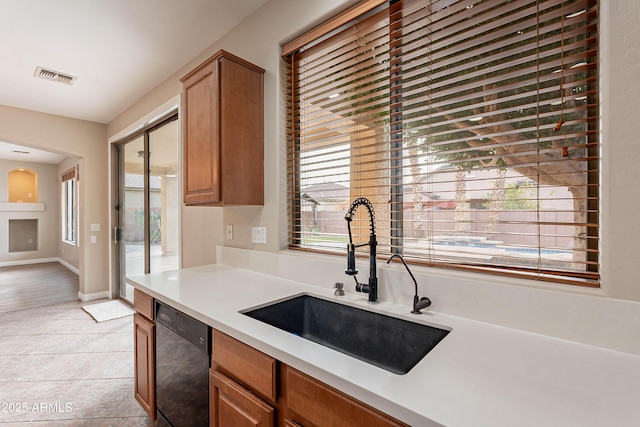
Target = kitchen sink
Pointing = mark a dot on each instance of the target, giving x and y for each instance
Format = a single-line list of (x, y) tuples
[(388, 342)]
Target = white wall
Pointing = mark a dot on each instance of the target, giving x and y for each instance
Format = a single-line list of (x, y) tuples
[(257, 39), (81, 139)]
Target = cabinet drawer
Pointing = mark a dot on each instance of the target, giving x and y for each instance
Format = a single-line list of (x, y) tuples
[(314, 403), (246, 365), (232, 405), (143, 303)]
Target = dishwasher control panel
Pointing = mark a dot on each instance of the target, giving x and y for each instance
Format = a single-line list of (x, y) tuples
[(192, 330)]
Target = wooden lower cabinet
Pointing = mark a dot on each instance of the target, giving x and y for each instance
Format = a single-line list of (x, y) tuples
[(144, 363), (247, 366), (231, 405), (250, 388), (311, 403)]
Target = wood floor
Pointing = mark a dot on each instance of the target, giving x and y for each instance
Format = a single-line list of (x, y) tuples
[(36, 285)]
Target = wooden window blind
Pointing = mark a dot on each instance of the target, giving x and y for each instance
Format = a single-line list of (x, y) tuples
[(471, 126), (69, 174)]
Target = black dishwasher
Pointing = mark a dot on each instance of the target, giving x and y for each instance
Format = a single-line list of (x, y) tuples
[(182, 368)]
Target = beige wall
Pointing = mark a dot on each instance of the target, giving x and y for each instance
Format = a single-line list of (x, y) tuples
[(257, 39), (48, 220), (82, 139)]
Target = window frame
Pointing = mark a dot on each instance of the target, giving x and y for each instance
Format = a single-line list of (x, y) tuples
[(69, 204), (334, 26)]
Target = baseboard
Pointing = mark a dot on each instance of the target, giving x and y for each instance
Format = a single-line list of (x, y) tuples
[(93, 296), (28, 261), (69, 266), (40, 261)]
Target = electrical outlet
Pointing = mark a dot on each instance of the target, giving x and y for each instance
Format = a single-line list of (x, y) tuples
[(229, 231), (259, 235)]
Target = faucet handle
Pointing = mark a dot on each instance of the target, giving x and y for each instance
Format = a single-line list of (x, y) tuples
[(339, 291), (419, 304), (351, 260)]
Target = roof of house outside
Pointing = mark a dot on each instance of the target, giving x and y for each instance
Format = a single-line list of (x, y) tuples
[(328, 192)]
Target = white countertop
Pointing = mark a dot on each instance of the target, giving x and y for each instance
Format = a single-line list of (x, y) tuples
[(479, 375)]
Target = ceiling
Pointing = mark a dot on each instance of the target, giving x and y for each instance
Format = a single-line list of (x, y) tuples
[(29, 154), (118, 49)]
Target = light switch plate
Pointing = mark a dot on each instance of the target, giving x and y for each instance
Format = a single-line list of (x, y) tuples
[(95, 227), (259, 235), (229, 231)]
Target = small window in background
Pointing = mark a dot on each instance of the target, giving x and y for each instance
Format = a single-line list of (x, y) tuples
[(69, 206)]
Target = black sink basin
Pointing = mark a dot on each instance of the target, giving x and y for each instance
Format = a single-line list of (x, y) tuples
[(387, 342)]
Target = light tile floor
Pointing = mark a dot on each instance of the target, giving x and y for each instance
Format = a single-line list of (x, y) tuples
[(58, 367)]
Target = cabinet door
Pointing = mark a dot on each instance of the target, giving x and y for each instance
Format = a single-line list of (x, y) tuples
[(232, 405), (144, 364), (201, 136), (223, 132), (241, 133)]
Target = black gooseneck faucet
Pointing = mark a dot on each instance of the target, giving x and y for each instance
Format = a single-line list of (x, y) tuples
[(418, 303), (372, 287)]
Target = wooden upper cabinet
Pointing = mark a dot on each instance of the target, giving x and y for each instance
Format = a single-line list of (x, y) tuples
[(223, 132)]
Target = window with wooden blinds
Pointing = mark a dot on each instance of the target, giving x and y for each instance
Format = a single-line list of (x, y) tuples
[(69, 205), (471, 126)]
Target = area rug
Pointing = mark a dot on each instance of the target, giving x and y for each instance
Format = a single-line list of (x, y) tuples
[(109, 310)]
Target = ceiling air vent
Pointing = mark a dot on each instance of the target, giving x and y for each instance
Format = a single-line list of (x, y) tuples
[(55, 76)]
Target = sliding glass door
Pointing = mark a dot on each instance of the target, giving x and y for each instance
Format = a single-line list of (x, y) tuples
[(148, 205)]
